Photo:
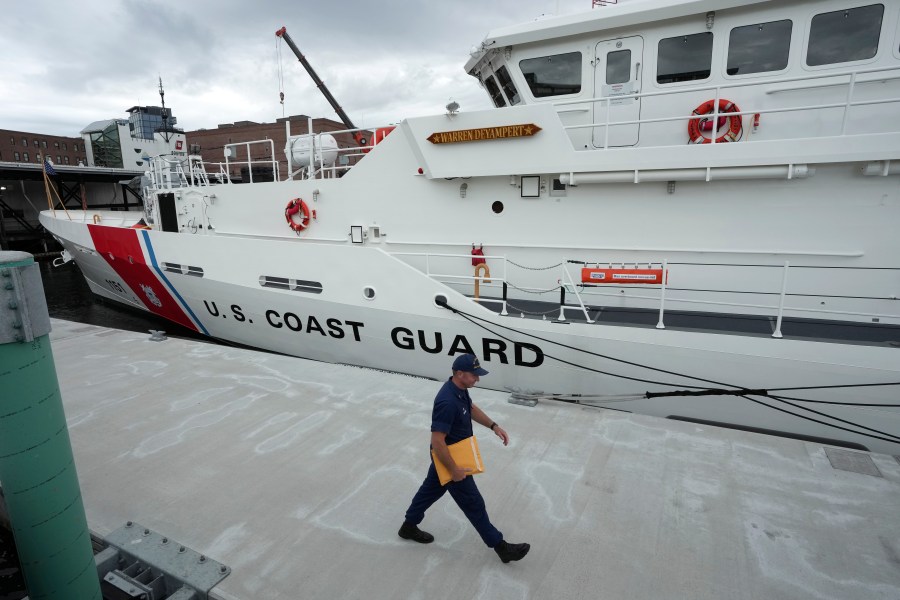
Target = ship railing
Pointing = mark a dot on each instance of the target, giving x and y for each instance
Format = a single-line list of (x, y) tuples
[(775, 311), (167, 171), (345, 159), (436, 267), (197, 171), (451, 279), (853, 78), (240, 155), (170, 171)]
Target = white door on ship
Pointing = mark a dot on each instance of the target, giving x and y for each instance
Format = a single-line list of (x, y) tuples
[(617, 78)]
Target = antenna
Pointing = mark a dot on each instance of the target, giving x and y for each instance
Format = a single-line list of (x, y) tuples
[(165, 113)]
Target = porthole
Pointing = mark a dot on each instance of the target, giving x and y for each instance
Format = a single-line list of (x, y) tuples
[(497, 207), (369, 293)]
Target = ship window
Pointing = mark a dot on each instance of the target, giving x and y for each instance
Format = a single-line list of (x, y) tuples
[(494, 92), (618, 67), (844, 35), (512, 94), (684, 58), (759, 48), (554, 75), (183, 269), (282, 283), (294, 285), (312, 287)]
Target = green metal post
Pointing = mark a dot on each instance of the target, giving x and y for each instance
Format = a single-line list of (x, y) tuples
[(37, 469)]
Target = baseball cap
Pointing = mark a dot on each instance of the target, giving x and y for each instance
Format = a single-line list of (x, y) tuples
[(468, 363)]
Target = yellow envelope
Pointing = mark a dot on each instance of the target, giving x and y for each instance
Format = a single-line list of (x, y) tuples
[(465, 454)]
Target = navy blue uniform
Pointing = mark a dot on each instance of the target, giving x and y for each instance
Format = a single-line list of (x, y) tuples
[(452, 415)]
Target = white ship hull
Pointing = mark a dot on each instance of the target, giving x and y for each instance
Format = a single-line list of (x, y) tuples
[(777, 253), (402, 330)]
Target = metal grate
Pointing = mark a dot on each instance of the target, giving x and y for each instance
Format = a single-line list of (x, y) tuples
[(858, 462)]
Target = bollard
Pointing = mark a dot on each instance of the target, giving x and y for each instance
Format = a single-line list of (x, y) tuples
[(37, 468)]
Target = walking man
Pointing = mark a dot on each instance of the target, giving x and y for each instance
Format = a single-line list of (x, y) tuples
[(451, 422)]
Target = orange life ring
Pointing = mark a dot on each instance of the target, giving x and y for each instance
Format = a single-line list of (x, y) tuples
[(696, 126), (295, 206)]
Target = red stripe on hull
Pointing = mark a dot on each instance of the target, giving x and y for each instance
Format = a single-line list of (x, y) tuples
[(121, 248)]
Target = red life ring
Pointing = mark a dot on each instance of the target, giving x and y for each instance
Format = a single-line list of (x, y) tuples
[(697, 126), (295, 206)]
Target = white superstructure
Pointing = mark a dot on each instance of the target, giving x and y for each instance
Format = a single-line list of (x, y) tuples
[(748, 255)]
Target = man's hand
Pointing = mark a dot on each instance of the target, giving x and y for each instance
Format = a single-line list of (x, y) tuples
[(501, 433), (460, 473), (439, 443)]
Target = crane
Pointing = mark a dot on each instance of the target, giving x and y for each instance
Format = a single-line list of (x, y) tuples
[(357, 135)]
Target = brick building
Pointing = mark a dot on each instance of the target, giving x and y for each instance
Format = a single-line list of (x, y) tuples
[(24, 147), (212, 142)]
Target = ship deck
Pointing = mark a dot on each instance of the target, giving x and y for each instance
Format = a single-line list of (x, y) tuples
[(296, 475), (820, 330)]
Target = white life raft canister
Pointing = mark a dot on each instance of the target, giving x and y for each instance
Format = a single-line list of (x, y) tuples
[(297, 148)]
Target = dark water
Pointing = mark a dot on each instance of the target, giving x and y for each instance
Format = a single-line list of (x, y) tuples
[(69, 298), (12, 586)]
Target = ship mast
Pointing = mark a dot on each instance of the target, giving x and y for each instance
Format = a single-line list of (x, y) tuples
[(165, 113)]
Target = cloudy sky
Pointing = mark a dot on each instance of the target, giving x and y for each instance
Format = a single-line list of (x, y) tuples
[(67, 64)]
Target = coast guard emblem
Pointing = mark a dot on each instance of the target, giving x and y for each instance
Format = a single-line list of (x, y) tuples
[(151, 296)]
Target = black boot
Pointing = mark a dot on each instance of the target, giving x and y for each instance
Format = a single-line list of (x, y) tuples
[(508, 552), (408, 531)]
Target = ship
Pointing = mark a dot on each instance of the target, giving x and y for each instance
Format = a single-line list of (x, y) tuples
[(686, 210)]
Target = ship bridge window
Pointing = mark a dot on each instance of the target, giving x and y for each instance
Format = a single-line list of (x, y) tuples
[(759, 48), (844, 35), (684, 58), (494, 92), (512, 94), (555, 75)]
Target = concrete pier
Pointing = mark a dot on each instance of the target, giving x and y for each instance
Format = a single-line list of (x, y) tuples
[(296, 474)]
